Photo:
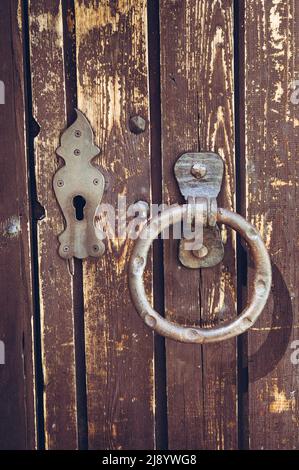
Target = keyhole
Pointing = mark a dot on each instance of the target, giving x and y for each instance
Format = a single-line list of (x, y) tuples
[(79, 203)]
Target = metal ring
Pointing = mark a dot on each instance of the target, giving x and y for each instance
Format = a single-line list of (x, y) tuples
[(186, 334)]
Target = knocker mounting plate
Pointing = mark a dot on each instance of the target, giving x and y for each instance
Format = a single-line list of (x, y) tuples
[(199, 176), (79, 188)]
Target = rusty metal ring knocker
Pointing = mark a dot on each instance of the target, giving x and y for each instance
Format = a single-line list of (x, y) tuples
[(257, 300)]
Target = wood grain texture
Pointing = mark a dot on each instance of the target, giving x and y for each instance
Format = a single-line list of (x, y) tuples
[(17, 409), (112, 87), (55, 280), (271, 151), (198, 114)]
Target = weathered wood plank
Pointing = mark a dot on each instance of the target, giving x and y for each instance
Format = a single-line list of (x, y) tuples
[(17, 409), (56, 282), (112, 87), (198, 114), (271, 151)]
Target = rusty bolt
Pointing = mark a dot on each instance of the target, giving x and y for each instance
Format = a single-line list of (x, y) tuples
[(201, 252), (60, 183), (137, 124), (77, 152), (198, 170)]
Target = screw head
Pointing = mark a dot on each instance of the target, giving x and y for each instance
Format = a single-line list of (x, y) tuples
[(66, 249), (78, 133), (198, 170), (137, 124), (95, 248), (96, 181), (77, 152), (60, 183), (201, 252)]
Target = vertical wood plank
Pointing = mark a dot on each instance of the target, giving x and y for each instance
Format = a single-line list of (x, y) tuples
[(198, 114), (112, 87), (17, 409), (55, 280), (271, 151)]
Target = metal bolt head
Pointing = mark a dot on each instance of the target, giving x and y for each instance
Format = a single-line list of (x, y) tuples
[(77, 133), (95, 248), (66, 249), (198, 170), (201, 252), (77, 152), (60, 183), (96, 181), (137, 124)]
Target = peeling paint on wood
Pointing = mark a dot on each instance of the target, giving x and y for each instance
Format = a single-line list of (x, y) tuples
[(113, 87), (197, 114), (271, 151), (17, 385), (55, 281), (280, 403)]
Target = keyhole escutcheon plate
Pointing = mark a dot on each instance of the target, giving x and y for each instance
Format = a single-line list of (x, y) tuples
[(79, 187)]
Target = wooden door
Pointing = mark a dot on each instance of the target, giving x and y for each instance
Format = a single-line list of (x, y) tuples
[(81, 370)]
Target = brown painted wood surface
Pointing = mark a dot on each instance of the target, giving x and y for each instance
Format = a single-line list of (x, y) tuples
[(55, 280), (17, 409), (197, 114), (95, 54), (271, 162), (113, 87)]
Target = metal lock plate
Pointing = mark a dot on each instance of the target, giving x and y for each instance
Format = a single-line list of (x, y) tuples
[(79, 188), (199, 176)]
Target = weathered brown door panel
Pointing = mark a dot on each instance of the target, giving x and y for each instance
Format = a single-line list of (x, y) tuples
[(198, 114), (112, 88), (271, 163), (227, 70), (49, 108), (17, 406)]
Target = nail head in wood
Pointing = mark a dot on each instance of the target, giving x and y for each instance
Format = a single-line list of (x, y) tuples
[(137, 124)]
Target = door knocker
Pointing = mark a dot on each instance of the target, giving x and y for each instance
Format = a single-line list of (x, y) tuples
[(199, 176)]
